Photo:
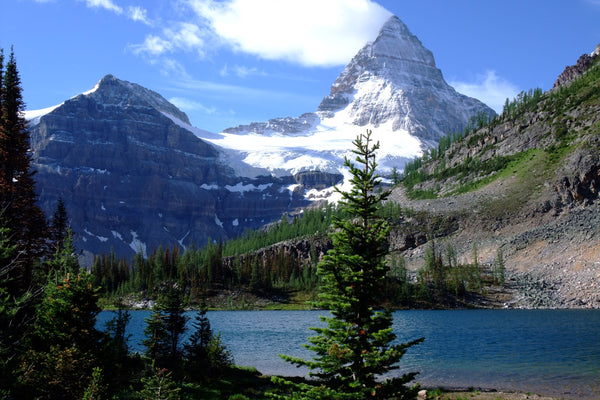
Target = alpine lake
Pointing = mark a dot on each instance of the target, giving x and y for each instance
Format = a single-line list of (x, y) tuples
[(548, 352)]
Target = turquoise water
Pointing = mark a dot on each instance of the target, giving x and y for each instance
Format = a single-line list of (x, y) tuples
[(550, 352)]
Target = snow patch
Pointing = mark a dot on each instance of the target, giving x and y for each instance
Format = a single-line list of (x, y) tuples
[(137, 245), (92, 90), (322, 148), (213, 186), (241, 188), (34, 116), (235, 222), (117, 235), (100, 238), (201, 133), (290, 189), (180, 241), (218, 221)]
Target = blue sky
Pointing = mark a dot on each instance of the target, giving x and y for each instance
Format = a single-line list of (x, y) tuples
[(233, 62)]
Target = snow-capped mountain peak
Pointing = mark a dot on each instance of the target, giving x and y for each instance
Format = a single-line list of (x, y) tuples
[(391, 86), (111, 91)]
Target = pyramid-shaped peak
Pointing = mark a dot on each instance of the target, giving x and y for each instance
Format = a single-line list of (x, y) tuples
[(394, 27), (396, 41), (394, 80)]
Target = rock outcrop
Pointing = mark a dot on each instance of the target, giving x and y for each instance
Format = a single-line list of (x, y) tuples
[(133, 178), (573, 71)]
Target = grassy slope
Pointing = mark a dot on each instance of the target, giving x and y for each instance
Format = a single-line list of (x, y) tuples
[(514, 207)]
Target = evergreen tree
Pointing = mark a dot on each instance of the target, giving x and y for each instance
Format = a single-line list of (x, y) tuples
[(64, 346), (395, 177), (157, 337), (65, 257), (117, 363), (196, 349), (355, 350), (176, 320), (204, 351), (96, 390), (17, 192), (59, 225), (159, 386), (165, 327), (499, 268), (11, 325)]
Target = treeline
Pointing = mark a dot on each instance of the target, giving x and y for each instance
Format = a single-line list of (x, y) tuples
[(257, 261), (583, 88), (310, 222), (413, 173), (444, 280), (275, 269), (525, 101), (200, 270)]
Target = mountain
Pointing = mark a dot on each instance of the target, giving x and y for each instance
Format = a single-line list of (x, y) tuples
[(525, 188), (391, 86), (134, 174)]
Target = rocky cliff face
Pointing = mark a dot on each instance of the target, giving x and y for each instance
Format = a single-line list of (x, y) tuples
[(573, 71), (132, 179)]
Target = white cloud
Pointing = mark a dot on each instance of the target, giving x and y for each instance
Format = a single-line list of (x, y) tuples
[(191, 105), (308, 32), (186, 36), (135, 13), (489, 88), (106, 4), (153, 46), (173, 67), (193, 87), (138, 14), (241, 71), (180, 36)]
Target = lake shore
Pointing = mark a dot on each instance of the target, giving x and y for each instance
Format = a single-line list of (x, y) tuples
[(469, 352), (482, 395)]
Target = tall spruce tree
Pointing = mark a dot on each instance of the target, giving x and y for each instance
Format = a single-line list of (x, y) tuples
[(204, 352), (17, 192), (60, 224), (355, 350), (164, 329)]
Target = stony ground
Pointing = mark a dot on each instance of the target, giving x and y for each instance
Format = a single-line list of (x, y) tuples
[(552, 257), (459, 395)]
